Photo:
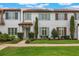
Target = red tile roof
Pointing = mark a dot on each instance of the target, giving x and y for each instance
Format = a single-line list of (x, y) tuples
[(47, 10), (66, 10), (40, 10), (37, 10), (10, 9)]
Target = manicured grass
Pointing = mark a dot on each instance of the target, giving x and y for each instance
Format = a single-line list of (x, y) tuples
[(41, 51), (55, 41)]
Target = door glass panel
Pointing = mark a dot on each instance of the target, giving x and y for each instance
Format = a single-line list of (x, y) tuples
[(27, 31)]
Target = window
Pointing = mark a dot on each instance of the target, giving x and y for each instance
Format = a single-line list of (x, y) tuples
[(61, 31), (12, 31), (27, 16), (76, 16), (44, 16), (61, 16), (16, 15), (11, 15), (44, 31)]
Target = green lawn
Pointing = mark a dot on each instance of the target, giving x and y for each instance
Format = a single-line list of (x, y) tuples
[(41, 51), (55, 41)]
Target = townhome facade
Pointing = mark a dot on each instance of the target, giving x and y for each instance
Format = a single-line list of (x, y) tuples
[(23, 20)]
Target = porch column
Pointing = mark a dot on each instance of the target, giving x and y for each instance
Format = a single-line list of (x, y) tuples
[(24, 33), (20, 28)]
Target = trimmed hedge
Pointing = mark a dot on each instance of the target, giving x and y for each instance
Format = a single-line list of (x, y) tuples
[(65, 37), (28, 41), (20, 35), (6, 37), (31, 35)]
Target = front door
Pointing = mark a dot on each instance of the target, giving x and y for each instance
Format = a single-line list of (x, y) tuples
[(27, 32)]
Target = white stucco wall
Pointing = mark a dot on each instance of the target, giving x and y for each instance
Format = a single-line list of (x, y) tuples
[(10, 23), (52, 23)]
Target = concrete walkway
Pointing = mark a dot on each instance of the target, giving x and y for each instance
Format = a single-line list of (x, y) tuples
[(25, 45), (22, 44), (3, 46)]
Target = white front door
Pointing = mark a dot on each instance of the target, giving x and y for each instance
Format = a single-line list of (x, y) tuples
[(27, 32)]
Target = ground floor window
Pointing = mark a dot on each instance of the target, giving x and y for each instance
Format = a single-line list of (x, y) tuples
[(44, 32), (61, 31), (12, 31)]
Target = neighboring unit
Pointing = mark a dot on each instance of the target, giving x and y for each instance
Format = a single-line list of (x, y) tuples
[(23, 20)]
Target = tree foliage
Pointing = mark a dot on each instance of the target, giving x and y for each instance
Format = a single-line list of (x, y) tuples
[(72, 27), (36, 27), (54, 33)]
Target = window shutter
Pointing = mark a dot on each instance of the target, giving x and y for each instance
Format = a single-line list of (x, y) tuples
[(65, 16), (56, 16), (64, 30), (16, 15), (75, 16), (58, 30), (7, 16)]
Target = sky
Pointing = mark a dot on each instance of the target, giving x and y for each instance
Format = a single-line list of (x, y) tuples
[(40, 5)]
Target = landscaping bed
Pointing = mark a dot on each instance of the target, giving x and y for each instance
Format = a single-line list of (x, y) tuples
[(41, 51), (6, 38), (42, 41), (11, 42)]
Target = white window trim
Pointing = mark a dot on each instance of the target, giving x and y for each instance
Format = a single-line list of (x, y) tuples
[(27, 18), (44, 16), (61, 16), (44, 28), (11, 15)]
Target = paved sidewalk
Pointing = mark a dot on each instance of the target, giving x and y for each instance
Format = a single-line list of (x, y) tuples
[(22, 44), (25, 45), (3, 46)]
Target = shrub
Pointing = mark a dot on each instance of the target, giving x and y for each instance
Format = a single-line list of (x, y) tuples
[(54, 33), (36, 28), (6, 37), (72, 27), (12, 37), (2, 37), (0, 32), (20, 35), (31, 35), (44, 37), (28, 41), (65, 37)]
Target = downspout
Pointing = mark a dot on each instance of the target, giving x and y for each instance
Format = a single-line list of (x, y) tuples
[(2, 20)]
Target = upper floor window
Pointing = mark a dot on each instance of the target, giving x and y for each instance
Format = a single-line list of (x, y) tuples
[(61, 16), (76, 16), (44, 16), (11, 15), (27, 16)]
